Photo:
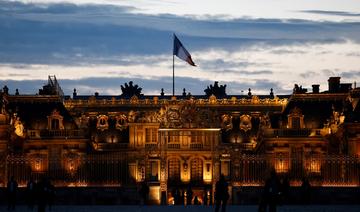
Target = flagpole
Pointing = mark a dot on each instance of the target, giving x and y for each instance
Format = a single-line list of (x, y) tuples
[(173, 75)]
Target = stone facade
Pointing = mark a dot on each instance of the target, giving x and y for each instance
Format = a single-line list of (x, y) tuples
[(176, 142)]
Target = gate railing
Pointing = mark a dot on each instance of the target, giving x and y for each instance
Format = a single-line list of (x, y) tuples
[(113, 169)]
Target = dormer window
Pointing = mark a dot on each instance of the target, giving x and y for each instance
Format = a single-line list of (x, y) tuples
[(55, 124), (55, 121), (296, 119)]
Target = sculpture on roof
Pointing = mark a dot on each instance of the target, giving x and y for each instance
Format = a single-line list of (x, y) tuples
[(299, 89), (216, 90), (130, 90)]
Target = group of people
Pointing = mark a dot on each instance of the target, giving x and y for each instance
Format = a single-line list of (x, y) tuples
[(186, 197), (40, 193), (276, 191)]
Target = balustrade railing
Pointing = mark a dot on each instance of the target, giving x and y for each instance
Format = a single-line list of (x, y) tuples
[(292, 132), (113, 169), (37, 134)]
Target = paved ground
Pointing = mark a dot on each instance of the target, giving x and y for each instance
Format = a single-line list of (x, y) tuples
[(244, 208)]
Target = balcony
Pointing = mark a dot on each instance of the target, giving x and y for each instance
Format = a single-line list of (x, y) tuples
[(55, 134), (110, 146), (270, 133)]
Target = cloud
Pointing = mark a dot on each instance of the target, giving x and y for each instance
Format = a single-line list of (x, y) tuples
[(309, 74), (111, 86), (65, 33), (333, 13), (106, 44), (351, 74), (287, 51)]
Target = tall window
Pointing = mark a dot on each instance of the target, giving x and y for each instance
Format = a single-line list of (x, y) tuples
[(196, 137), (225, 168), (55, 124), (196, 170), (295, 122), (174, 137), (174, 169), (151, 135)]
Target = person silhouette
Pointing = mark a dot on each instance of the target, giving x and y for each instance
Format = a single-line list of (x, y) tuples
[(221, 194), (284, 189), (189, 195), (305, 190), (205, 199), (196, 200), (144, 193), (271, 192), (42, 194), (12, 187), (30, 194)]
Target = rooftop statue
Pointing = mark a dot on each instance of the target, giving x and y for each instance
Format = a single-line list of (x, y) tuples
[(130, 90), (216, 90)]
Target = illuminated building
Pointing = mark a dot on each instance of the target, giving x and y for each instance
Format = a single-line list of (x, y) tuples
[(172, 142)]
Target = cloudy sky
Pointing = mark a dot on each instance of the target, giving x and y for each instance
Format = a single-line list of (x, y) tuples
[(96, 46)]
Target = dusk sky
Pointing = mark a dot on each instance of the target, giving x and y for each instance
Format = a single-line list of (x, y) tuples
[(96, 46)]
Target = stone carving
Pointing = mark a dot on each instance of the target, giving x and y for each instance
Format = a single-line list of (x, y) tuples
[(121, 122), (19, 127), (226, 122), (245, 123), (299, 89), (173, 118), (102, 122), (265, 122), (212, 99), (132, 116), (130, 90), (189, 114), (134, 100), (216, 90)]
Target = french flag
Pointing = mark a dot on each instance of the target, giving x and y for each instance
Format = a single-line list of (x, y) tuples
[(181, 52)]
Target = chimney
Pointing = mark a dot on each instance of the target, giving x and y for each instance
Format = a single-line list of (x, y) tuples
[(316, 88), (334, 84)]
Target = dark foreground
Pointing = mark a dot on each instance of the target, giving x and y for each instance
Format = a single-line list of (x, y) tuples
[(231, 208)]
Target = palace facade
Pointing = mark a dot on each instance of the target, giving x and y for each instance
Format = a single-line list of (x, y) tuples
[(176, 142)]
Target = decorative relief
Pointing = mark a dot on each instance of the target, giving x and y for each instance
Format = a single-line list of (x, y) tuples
[(212, 99), (18, 126), (71, 162), (132, 116), (102, 122), (226, 122), (82, 122), (255, 100), (245, 123), (121, 122), (134, 100), (265, 121), (188, 114)]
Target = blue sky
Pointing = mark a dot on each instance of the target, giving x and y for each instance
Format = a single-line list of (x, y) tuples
[(96, 46)]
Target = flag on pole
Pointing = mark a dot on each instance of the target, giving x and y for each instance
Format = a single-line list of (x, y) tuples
[(181, 52)]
